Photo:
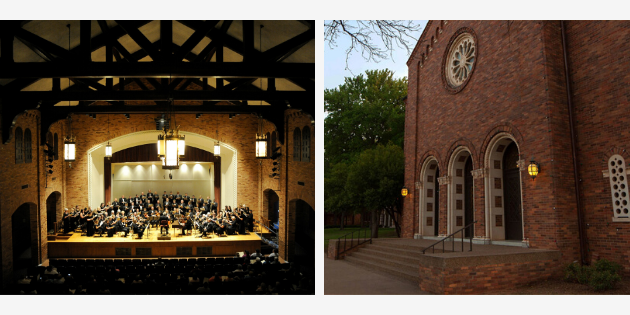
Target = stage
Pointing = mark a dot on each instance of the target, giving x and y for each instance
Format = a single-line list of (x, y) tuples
[(118, 246)]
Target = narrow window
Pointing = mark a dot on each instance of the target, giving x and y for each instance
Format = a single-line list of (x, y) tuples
[(297, 139), (306, 144), (28, 151), (268, 145), (18, 146), (619, 187), (273, 140)]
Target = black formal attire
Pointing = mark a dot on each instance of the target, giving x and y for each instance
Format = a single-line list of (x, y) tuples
[(90, 225), (163, 217), (111, 229), (138, 229), (122, 227), (230, 228), (66, 223), (101, 227)]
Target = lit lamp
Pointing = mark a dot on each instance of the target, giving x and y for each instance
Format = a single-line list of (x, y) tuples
[(171, 156), (217, 146), (404, 192), (261, 146), (181, 146), (160, 146), (533, 169), (69, 147), (261, 141), (108, 150)]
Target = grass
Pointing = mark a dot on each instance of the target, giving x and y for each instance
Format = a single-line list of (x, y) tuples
[(333, 233)]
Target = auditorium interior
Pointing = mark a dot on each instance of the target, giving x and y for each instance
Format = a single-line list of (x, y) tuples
[(157, 157)]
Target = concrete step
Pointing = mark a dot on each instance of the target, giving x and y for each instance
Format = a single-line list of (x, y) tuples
[(382, 248), (397, 263), (387, 270), (399, 255), (398, 245)]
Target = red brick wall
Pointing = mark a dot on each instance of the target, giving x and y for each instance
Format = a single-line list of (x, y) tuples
[(517, 87), (600, 84), (486, 278), (12, 196)]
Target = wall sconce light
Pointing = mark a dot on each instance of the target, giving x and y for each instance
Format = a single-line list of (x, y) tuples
[(404, 192), (533, 169)]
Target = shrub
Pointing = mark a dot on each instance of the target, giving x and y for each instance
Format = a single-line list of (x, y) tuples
[(603, 280), (603, 275)]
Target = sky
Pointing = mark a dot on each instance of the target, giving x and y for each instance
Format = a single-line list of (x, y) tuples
[(335, 60)]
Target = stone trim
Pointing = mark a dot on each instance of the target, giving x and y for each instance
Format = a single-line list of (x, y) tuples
[(444, 180)]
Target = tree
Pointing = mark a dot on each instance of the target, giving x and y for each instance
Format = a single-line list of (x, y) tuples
[(363, 112), (391, 32), (335, 197), (374, 181)]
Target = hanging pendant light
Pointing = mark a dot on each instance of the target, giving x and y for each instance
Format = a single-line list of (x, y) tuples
[(108, 147), (69, 142), (261, 141), (69, 146), (217, 146), (171, 146)]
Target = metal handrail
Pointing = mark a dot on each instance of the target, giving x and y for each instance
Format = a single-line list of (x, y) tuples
[(352, 243), (453, 236)]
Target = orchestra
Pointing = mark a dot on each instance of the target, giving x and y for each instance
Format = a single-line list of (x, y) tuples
[(145, 211)]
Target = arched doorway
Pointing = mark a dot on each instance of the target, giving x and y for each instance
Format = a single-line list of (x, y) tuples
[(512, 193), (303, 250), (430, 199), (24, 238), (460, 206), (53, 211), (503, 190), (271, 207)]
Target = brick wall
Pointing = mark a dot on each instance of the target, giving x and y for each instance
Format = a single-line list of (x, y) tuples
[(600, 86), (517, 88), (486, 278)]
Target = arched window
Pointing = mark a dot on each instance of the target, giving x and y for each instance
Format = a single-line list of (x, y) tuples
[(619, 188), (56, 147), (19, 158), (273, 140), (28, 151), (297, 139), (306, 144)]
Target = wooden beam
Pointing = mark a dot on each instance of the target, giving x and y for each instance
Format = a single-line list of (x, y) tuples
[(158, 70), (7, 35), (140, 39), (248, 41), (156, 95), (85, 32), (193, 40), (166, 39)]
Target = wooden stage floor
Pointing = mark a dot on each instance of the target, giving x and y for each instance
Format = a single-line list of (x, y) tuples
[(118, 246)]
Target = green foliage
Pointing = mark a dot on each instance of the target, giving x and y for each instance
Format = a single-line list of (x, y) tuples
[(603, 275), (363, 112), (363, 137), (375, 178), (603, 280)]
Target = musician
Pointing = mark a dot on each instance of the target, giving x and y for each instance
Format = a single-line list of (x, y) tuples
[(185, 198), (143, 197), (239, 222), (181, 203), (178, 197), (149, 194), (110, 228), (121, 225), (124, 200), (165, 216), (115, 203), (230, 226), (215, 205), (168, 204), (205, 227), (187, 225), (138, 227), (220, 229), (66, 221), (200, 200), (100, 228)]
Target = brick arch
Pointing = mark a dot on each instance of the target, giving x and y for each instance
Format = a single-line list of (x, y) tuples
[(502, 128), (605, 156), (298, 209), (425, 156), (463, 142)]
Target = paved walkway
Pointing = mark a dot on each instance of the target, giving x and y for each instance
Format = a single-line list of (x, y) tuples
[(341, 277)]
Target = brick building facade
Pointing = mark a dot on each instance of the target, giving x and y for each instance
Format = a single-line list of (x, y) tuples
[(470, 135)]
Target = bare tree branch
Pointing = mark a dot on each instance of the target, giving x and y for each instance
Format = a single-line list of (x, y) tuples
[(392, 33)]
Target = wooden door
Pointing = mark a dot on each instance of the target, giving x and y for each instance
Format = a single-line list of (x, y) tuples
[(512, 194)]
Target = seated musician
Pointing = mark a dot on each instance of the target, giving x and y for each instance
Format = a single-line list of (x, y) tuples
[(186, 225), (206, 227), (164, 216), (111, 228), (230, 226), (138, 228), (221, 227), (100, 228), (122, 226)]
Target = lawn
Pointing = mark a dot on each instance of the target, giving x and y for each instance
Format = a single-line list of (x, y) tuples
[(332, 233)]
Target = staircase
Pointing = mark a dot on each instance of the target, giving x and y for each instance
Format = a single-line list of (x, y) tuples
[(392, 258)]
